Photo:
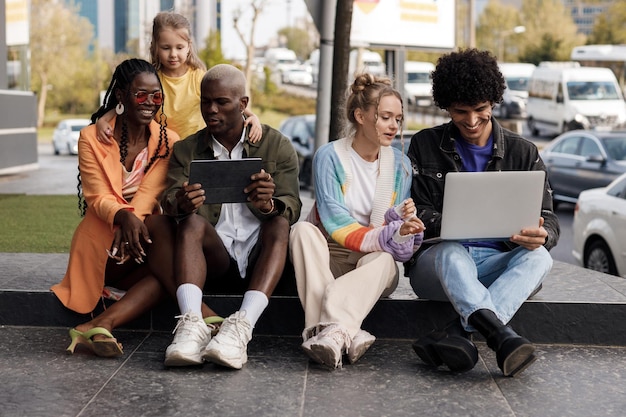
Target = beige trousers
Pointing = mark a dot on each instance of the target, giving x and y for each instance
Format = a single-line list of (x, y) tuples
[(335, 284)]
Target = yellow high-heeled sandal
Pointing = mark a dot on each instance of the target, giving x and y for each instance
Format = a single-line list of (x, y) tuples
[(213, 322), (107, 348)]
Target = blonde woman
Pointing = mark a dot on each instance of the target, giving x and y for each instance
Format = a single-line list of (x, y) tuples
[(362, 223)]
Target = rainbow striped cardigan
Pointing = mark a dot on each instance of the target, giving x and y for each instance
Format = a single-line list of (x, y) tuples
[(333, 177)]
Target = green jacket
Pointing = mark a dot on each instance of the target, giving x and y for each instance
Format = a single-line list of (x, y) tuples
[(279, 159)]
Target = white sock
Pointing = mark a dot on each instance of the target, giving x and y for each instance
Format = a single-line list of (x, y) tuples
[(254, 303), (189, 298)]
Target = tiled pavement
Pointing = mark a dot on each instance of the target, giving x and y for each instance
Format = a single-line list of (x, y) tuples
[(578, 372)]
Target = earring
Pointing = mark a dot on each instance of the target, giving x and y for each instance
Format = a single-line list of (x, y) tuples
[(119, 109)]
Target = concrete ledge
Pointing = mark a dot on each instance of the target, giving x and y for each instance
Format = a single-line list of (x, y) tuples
[(576, 306), (541, 322)]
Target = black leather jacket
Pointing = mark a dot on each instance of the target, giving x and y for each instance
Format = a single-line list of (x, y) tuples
[(433, 154)]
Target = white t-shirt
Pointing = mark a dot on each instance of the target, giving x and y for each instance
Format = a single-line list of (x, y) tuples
[(237, 226), (360, 194)]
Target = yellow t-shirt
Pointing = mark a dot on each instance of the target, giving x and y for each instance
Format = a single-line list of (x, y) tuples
[(182, 102)]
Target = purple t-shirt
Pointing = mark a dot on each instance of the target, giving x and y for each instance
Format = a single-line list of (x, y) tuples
[(475, 159)]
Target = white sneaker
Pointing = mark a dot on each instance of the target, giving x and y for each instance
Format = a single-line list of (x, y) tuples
[(309, 336), (359, 345), (191, 335), (330, 344), (229, 346)]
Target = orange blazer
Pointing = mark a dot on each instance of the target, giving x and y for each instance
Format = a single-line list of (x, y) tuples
[(101, 177)]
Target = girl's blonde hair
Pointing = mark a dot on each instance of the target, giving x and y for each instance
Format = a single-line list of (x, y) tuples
[(366, 91), (180, 23)]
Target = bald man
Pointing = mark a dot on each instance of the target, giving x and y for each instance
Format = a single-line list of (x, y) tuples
[(223, 248)]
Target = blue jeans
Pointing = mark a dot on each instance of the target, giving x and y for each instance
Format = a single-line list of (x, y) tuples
[(477, 278)]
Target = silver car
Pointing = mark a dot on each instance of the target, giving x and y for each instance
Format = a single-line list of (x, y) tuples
[(600, 228), (65, 136), (582, 159)]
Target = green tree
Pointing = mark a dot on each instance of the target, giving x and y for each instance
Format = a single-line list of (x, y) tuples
[(545, 51), (550, 31), (59, 67), (609, 27), (494, 30), (298, 40), (212, 53), (256, 8)]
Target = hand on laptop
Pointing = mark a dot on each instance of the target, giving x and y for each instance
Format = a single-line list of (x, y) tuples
[(533, 238)]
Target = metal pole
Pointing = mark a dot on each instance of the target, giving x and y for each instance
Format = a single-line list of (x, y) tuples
[(4, 79), (325, 76)]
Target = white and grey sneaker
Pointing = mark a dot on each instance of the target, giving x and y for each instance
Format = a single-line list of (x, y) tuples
[(309, 336), (230, 346), (191, 335), (330, 344), (359, 345)]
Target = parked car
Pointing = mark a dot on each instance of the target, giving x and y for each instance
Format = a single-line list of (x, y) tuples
[(298, 76), (600, 228), (582, 159), (65, 136), (301, 131), (515, 97)]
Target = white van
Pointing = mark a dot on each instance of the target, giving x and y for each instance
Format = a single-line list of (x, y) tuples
[(516, 76), (280, 60), (364, 60), (314, 63), (566, 96), (418, 85)]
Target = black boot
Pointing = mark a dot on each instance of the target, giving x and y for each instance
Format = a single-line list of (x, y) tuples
[(450, 346), (513, 352)]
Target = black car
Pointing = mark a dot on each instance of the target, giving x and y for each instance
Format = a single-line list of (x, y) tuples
[(301, 131), (583, 159)]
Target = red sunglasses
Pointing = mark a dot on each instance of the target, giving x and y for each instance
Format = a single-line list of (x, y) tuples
[(142, 96)]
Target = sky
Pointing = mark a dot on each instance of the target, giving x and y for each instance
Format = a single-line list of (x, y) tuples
[(276, 15)]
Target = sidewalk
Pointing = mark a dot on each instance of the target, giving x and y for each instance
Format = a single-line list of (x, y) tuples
[(582, 377), (38, 379)]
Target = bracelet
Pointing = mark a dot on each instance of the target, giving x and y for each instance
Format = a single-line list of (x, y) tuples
[(271, 207)]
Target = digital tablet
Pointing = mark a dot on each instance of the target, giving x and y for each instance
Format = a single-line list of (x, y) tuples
[(224, 180)]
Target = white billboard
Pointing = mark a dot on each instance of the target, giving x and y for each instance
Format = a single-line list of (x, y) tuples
[(17, 22), (412, 23)]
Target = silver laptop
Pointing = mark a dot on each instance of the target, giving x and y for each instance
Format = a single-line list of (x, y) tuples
[(490, 205)]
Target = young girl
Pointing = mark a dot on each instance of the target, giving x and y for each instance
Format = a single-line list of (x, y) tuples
[(173, 54), (345, 255)]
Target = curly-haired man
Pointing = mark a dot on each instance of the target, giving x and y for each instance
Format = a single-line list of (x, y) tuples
[(486, 282)]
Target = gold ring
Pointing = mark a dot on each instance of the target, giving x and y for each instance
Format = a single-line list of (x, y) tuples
[(126, 243)]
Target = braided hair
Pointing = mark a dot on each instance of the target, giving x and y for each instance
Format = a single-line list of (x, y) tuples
[(123, 76)]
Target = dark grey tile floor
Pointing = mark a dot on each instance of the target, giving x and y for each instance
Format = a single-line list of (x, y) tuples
[(39, 379)]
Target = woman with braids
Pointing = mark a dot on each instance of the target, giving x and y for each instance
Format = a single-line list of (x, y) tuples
[(363, 221), (119, 186)]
